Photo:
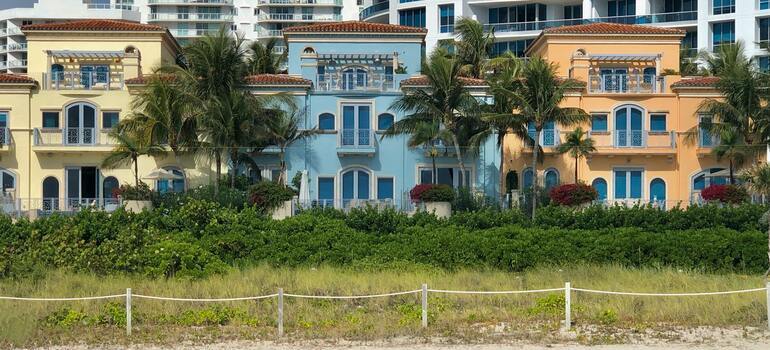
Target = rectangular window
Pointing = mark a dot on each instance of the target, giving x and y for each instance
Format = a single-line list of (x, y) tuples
[(385, 188), (619, 8), (764, 4), (721, 7), (764, 63), (51, 120), (670, 6), (517, 47), (764, 30), (706, 138), (573, 11), (3, 119), (447, 18), (598, 122), (412, 17), (446, 176), (628, 184), (658, 122), (110, 119), (326, 191), (722, 33), (690, 42)]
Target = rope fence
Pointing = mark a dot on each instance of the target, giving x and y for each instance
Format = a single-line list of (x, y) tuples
[(423, 291)]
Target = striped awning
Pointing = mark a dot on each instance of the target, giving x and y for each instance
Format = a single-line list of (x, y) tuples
[(86, 54), (622, 57)]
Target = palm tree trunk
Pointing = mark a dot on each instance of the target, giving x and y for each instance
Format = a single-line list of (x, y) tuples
[(534, 172), (576, 169), (459, 159), (434, 178), (234, 160), (218, 161), (768, 249), (732, 180), (282, 159), (136, 170)]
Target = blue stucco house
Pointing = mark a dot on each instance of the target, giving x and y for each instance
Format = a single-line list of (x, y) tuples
[(345, 76)]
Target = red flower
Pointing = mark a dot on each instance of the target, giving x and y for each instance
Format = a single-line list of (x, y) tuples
[(572, 194), (725, 194)]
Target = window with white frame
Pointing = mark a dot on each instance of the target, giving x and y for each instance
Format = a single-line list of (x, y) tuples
[(445, 176)]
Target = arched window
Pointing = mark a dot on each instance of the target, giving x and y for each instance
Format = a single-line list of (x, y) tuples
[(658, 191), (109, 186), (308, 51), (511, 181), (527, 179), (80, 127), (171, 185), (629, 126), (551, 178), (326, 121), (384, 121), (356, 183), (354, 77), (8, 179), (708, 177), (649, 75), (57, 73), (50, 194), (600, 185)]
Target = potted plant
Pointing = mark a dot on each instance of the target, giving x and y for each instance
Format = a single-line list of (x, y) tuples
[(135, 198), (436, 198), (273, 198)]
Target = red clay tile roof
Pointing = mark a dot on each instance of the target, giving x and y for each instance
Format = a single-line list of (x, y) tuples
[(95, 25), (15, 79), (144, 79), (355, 27), (612, 28), (696, 82), (423, 81), (277, 79)]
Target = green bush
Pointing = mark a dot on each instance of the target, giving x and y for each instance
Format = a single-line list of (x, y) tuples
[(142, 192), (268, 195), (227, 197)]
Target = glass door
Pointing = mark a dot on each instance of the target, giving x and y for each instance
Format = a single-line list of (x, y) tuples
[(82, 186), (355, 185), (356, 125), (614, 79), (628, 127), (81, 125)]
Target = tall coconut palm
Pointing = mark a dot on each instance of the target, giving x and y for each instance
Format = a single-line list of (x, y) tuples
[(165, 113), (726, 57), (446, 100), (129, 147), (537, 100), (215, 64), (474, 45), (733, 147), (263, 59), (757, 179), (424, 132), (578, 146), (282, 131)]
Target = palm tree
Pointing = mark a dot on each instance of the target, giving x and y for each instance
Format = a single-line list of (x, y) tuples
[(445, 100), (687, 62), (282, 131), (263, 59), (578, 146), (726, 57), (537, 99), (423, 132), (215, 64), (128, 149), (474, 45), (757, 179), (165, 114), (733, 147)]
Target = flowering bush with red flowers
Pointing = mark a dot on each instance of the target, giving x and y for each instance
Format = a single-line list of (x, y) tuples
[(731, 194), (432, 193), (573, 194)]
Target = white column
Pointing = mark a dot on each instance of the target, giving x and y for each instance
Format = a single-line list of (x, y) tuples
[(643, 7), (588, 9), (704, 30)]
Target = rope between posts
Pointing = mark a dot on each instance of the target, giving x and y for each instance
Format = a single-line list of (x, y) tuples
[(670, 294), (206, 299), (351, 296), (495, 292), (64, 299)]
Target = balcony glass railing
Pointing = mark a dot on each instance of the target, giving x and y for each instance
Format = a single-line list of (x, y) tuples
[(355, 82), (301, 2), (84, 81), (299, 17), (13, 47), (181, 2), (192, 32), (125, 7), (190, 16), (10, 31), (633, 139), (374, 10), (72, 136), (668, 17), (356, 138), (625, 83), (17, 64)]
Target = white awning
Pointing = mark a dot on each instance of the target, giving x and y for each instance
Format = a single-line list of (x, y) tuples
[(622, 57), (86, 54)]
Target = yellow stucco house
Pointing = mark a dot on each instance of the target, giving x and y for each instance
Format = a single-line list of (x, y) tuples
[(640, 109), (54, 122)]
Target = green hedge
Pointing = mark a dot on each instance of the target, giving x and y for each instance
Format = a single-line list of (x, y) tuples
[(202, 238)]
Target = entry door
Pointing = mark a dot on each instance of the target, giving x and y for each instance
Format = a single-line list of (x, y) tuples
[(356, 125), (614, 79), (628, 127), (82, 185), (628, 184), (355, 185), (81, 125)]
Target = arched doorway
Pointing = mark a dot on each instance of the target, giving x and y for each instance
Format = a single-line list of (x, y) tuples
[(50, 194)]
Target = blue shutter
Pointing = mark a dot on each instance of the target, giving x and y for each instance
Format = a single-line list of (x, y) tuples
[(620, 184), (363, 185), (348, 185), (326, 188), (385, 188), (636, 184)]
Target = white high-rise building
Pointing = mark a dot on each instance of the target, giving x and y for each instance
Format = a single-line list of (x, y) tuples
[(708, 23)]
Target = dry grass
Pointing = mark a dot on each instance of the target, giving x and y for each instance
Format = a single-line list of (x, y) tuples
[(466, 318)]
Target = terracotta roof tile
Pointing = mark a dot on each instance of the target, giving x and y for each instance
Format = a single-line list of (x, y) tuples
[(611, 28), (696, 82), (95, 25), (355, 27), (144, 79), (277, 79), (15, 79), (423, 81)]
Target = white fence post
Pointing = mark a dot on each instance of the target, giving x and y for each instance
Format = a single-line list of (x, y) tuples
[(280, 312), (768, 305), (424, 305), (128, 311), (567, 306)]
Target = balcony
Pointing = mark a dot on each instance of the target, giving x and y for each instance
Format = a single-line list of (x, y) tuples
[(174, 17), (124, 7), (376, 9), (630, 142), (16, 47), (359, 82), (356, 142), (10, 31), (299, 17), (190, 2), (625, 84), (5, 138), (17, 64), (657, 18), (192, 33), (99, 81), (3, 64), (266, 33), (301, 2), (74, 139)]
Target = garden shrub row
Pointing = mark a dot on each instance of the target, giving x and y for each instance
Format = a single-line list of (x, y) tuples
[(202, 238)]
